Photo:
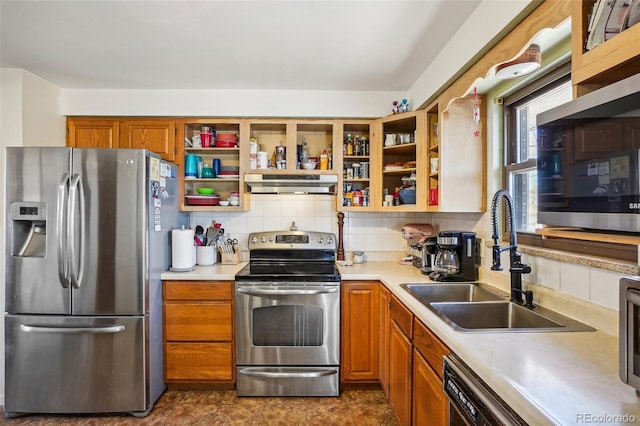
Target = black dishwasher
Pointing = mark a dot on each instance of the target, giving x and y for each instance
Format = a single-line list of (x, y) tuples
[(471, 401)]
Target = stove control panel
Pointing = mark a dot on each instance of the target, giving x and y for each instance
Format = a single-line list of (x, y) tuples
[(303, 240)]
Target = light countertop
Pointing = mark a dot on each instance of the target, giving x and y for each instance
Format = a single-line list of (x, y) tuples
[(559, 378), (547, 378), (217, 272)]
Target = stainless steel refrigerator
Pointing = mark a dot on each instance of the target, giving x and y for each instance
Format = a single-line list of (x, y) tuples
[(87, 237)]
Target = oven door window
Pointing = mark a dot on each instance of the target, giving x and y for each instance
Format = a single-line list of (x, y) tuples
[(287, 325)]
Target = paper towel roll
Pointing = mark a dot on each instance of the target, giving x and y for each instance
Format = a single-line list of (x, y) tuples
[(182, 248)]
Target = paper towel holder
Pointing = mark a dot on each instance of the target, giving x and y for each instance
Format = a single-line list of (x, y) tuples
[(190, 268)]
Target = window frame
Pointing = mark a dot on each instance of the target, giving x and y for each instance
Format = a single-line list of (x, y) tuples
[(558, 76)]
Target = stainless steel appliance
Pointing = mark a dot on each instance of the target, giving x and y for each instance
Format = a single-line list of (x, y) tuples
[(471, 401), (418, 236), (588, 160), (458, 257), (87, 237), (630, 331), (288, 316), (283, 184)]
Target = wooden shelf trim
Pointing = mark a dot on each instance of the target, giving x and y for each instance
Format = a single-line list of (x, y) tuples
[(581, 234)]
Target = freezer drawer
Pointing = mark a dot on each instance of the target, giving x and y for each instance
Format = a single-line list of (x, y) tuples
[(76, 365)]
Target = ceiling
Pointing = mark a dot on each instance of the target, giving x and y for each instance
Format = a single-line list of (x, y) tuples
[(256, 45)]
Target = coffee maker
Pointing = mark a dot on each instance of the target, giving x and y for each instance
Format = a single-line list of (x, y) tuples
[(417, 236), (457, 258)]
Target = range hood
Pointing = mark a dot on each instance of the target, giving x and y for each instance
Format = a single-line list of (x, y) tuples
[(291, 183)]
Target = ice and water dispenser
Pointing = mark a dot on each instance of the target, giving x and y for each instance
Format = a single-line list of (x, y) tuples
[(29, 223)]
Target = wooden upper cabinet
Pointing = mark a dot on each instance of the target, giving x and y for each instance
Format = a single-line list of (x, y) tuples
[(98, 133), (155, 135), (611, 61)]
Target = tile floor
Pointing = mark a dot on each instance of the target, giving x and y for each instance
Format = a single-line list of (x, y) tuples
[(208, 407)]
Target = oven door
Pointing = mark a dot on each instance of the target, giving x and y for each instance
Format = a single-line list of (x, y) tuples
[(287, 324)]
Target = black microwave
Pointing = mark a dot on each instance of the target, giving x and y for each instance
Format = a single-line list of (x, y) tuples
[(588, 166)]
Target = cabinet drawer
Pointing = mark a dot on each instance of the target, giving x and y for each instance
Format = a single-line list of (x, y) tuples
[(429, 346), (199, 361), (193, 321), (401, 316), (198, 290)]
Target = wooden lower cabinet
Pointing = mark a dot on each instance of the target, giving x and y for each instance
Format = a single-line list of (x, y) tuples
[(383, 321), (198, 332), (430, 403), (400, 367), (359, 332), (400, 360), (410, 365), (198, 362)]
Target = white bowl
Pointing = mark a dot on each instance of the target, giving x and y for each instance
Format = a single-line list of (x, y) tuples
[(311, 165), (234, 202), (224, 203)]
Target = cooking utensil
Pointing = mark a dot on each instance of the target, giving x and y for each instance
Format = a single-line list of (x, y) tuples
[(199, 238), (211, 235)]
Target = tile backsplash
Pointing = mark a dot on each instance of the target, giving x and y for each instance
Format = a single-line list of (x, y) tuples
[(378, 235)]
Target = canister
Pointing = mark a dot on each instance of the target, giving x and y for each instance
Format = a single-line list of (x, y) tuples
[(357, 198), (263, 160), (191, 167), (364, 170)]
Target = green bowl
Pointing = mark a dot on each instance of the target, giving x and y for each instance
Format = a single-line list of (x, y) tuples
[(206, 191)]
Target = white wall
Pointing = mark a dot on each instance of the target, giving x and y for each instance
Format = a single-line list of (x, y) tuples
[(484, 24), (29, 116), (228, 103)]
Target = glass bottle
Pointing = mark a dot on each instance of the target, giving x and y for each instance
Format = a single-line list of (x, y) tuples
[(349, 144), (305, 151)]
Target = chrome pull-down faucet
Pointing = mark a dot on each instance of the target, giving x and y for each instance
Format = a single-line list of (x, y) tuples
[(516, 267)]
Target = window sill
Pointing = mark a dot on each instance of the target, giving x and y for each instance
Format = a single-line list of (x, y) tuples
[(580, 234), (584, 260)]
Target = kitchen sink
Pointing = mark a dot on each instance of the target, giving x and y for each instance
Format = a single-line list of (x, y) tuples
[(486, 316), (432, 293), (470, 308)]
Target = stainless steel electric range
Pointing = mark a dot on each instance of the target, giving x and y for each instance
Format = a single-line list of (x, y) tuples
[(288, 316)]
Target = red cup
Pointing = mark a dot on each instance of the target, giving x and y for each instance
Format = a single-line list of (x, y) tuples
[(433, 197), (205, 139)]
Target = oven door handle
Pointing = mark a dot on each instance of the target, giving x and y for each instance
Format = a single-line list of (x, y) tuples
[(263, 291), (273, 374)]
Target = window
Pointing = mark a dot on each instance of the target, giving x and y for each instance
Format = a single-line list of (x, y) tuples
[(520, 176)]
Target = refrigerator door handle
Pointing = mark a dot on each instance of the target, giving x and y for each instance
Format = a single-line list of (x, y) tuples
[(61, 231), (71, 330), (76, 194)]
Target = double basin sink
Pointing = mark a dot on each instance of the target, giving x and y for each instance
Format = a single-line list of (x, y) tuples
[(467, 307)]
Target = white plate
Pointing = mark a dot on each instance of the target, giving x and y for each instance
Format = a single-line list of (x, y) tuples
[(228, 176)]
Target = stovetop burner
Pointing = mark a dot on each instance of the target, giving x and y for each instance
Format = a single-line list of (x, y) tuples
[(291, 256), (289, 271)]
